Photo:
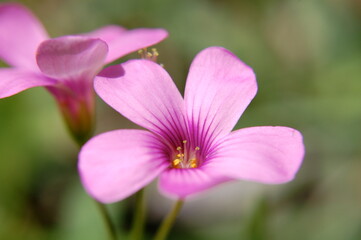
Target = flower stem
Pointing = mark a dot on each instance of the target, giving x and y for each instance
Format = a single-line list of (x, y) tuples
[(168, 221), (80, 139), (107, 221), (139, 216)]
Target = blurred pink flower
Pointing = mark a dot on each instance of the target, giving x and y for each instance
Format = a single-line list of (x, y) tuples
[(189, 144), (67, 65)]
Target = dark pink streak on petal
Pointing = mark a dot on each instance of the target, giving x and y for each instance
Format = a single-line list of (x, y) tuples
[(262, 154), (146, 95), (219, 88)]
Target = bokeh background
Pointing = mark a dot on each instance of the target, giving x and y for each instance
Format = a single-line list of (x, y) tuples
[(307, 58)]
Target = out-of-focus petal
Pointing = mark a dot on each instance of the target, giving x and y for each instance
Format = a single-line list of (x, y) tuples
[(71, 57), (20, 35), (180, 183), (116, 164), (219, 88), (122, 42), (14, 80), (263, 154), (108, 33), (146, 95), (113, 71)]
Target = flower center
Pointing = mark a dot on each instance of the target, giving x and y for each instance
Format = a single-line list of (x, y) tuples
[(150, 55), (186, 156)]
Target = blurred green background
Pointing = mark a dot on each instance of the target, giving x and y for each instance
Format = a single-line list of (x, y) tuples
[(307, 58)]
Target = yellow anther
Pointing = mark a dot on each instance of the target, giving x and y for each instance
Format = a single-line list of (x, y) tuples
[(155, 52), (176, 162), (149, 54), (140, 51), (193, 163), (185, 157)]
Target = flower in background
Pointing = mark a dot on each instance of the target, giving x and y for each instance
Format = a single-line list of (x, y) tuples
[(66, 66), (189, 144)]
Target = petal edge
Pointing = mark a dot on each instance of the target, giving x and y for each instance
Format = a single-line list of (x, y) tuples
[(116, 164), (219, 88), (13, 81), (266, 154), (21, 33)]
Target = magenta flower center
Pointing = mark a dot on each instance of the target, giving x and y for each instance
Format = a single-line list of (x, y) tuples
[(186, 156)]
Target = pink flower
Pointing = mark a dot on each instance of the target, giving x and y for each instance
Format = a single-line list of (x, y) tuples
[(67, 65), (189, 144)]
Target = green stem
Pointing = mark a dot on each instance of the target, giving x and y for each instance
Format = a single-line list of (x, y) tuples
[(168, 221), (107, 221), (139, 216), (81, 136)]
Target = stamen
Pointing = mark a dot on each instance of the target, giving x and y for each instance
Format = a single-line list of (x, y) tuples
[(155, 52), (193, 163), (149, 55), (185, 151), (152, 55), (186, 157), (176, 163)]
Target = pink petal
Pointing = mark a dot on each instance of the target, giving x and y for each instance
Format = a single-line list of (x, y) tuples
[(122, 42), (263, 154), (108, 33), (13, 81), (72, 58), (146, 95), (219, 88), (181, 183), (116, 164), (20, 34), (113, 71)]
